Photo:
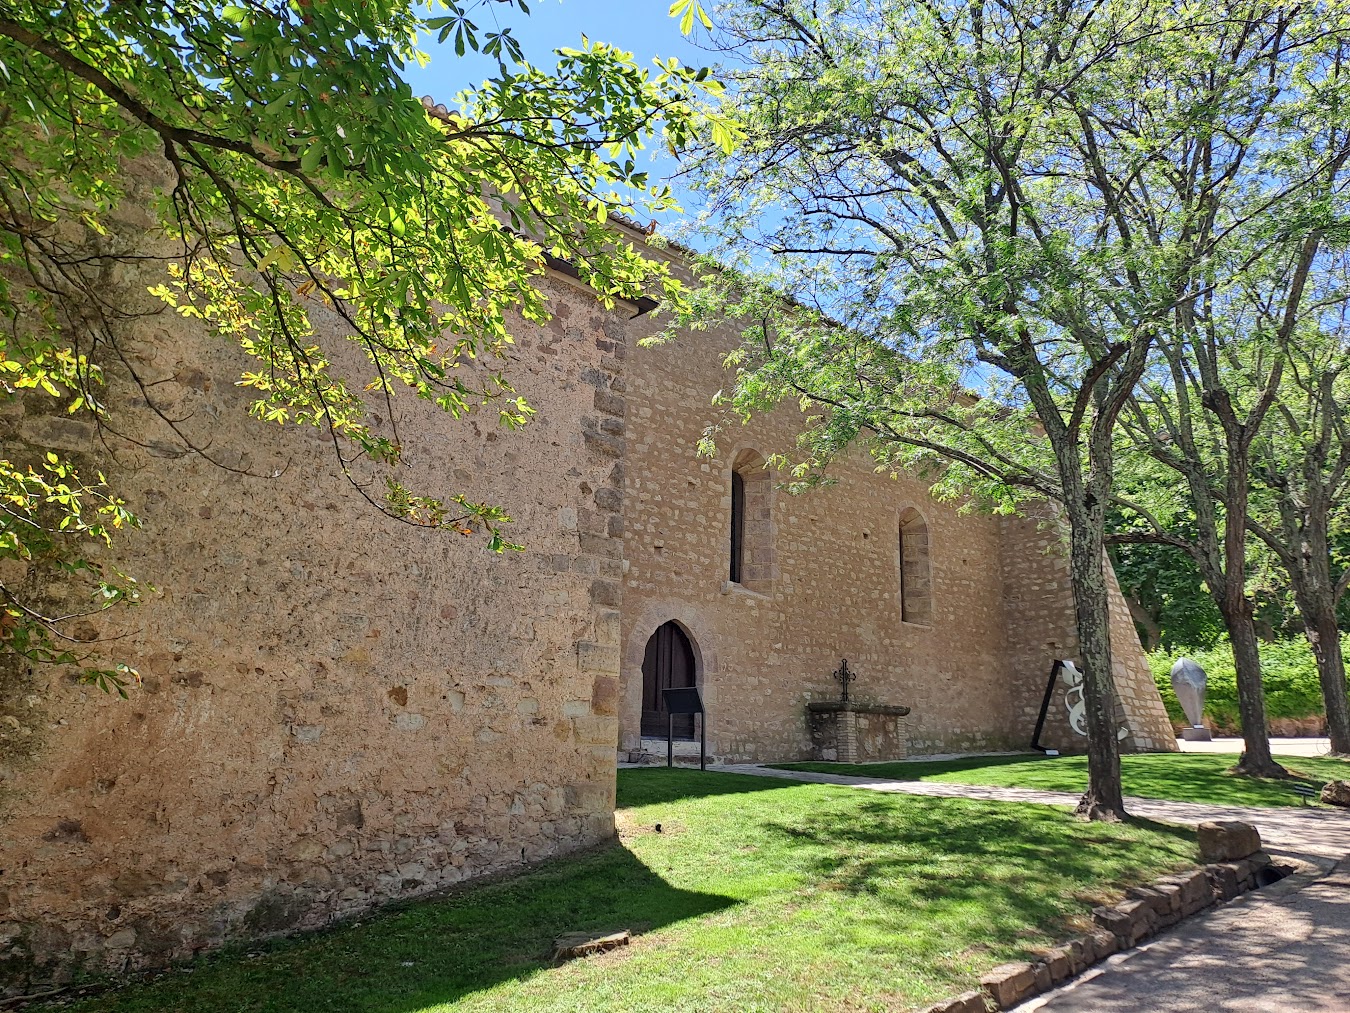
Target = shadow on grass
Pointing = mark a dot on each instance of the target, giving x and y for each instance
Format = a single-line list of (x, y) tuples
[(1190, 777), (1183, 775), (654, 785), (1020, 867), (429, 952), (914, 770), (884, 896)]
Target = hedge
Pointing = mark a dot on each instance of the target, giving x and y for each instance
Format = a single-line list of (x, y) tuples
[(1288, 672)]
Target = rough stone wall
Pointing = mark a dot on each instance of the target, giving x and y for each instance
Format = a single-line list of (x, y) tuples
[(762, 654), (882, 736), (1039, 602), (1144, 713), (856, 736), (338, 710), (1041, 629), (997, 593)]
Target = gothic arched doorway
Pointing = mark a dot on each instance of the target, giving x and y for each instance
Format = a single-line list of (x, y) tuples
[(668, 664)]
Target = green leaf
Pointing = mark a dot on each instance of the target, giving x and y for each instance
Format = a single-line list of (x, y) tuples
[(312, 157)]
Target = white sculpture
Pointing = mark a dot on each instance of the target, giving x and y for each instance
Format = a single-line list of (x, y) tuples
[(1188, 683), (1073, 696)]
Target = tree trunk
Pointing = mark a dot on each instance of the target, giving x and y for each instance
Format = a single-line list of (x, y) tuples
[(1104, 799), (1307, 530), (1325, 636), (1255, 760), (1146, 624)]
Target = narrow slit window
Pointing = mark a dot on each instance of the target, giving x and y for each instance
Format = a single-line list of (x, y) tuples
[(751, 564), (737, 527)]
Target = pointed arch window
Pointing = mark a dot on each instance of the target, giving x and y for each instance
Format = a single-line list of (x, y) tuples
[(751, 561), (916, 572)]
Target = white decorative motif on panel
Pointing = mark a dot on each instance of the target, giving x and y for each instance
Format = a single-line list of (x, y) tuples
[(1074, 702), (1073, 697)]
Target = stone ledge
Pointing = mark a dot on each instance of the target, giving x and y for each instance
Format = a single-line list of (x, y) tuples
[(828, 706), (1145, 911)]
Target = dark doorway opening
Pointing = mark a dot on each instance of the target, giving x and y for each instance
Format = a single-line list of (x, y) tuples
[(668, 664)]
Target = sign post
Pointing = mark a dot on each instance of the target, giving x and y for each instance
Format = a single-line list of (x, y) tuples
[(685, 701), (1055, 669)]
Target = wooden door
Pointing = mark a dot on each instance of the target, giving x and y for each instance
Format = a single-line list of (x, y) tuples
[(668, 664)]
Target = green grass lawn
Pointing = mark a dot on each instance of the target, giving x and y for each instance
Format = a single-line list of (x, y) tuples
[(756, 895), (1185, 777)]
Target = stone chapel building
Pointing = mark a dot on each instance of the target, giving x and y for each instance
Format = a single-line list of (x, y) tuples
[(339, 711)]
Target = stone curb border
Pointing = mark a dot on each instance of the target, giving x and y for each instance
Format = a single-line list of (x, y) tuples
[(1146, 911)]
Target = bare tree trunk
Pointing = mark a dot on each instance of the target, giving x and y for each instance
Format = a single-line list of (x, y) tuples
[(1324, 635), (1104, 798), (1306, 555), (1256, 760), (1308, 484), (1236, 607)]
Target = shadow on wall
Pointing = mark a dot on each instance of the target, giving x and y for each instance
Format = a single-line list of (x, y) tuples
[(431, 952)]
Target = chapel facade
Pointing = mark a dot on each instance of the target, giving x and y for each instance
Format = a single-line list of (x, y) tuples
[(756, 596), (339, 711)]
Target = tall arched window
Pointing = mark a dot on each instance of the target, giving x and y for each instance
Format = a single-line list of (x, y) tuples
[(737, 527), (751, 559), (916, 572)]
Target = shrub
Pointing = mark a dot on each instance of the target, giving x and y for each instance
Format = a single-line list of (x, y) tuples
[(1288, 672)]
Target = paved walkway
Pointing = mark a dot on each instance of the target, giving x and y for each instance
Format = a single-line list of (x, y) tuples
[(1310, 746), (1283, 949)]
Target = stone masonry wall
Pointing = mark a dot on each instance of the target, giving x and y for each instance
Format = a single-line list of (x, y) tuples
[(338, 710), (857, 736), (761, 654), (997, 611), (1042, 629)]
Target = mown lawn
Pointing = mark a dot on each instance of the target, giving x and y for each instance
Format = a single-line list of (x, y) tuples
[(1184, 777), (755, 895)]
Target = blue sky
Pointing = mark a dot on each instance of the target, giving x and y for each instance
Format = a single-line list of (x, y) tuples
[(641, 26)]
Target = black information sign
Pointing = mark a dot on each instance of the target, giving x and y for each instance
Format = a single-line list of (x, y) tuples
[(685, 701)]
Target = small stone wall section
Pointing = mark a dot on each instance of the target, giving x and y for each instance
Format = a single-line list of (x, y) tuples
[(857, 734), (757, 551)]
